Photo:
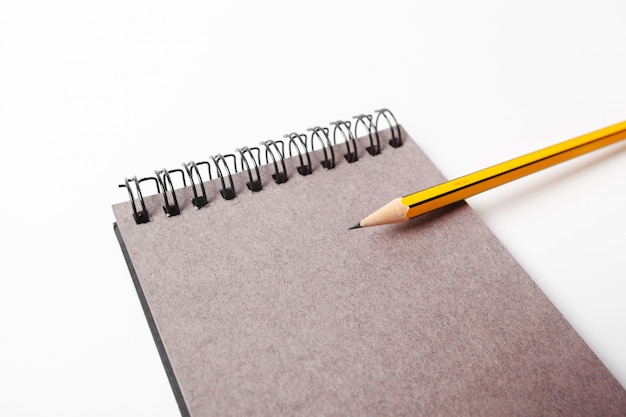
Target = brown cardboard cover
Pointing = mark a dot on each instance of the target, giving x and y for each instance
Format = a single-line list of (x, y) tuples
[(267, 305)]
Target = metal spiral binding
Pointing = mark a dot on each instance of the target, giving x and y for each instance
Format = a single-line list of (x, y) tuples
[(198, 201), (396, 135), (140, 216), (298, 141), (163, 177), (250, 162), (271, 149), (366, 120), (254, 184), (228, 193), (343, 128), (315, 133)]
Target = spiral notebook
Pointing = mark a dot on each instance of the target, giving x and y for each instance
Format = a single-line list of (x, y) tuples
[(261, 302)]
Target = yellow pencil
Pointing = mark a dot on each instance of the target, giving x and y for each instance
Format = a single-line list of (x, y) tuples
[(405, 208)]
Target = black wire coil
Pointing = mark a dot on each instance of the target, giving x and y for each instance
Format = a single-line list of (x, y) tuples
[(299, 143)]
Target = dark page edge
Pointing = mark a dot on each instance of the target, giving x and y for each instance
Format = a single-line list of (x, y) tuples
[(184, 411)]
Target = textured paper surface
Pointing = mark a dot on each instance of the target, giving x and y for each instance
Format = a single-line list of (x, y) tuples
[(267, 305)]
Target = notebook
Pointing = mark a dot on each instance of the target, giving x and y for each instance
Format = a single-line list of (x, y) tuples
[(264, 303)]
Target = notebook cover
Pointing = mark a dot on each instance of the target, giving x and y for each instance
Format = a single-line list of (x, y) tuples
[(267, 305)]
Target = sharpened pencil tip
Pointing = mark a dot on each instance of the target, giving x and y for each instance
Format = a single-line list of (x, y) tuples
[(356, 226)]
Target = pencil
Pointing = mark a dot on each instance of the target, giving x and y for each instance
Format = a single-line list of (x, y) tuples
[(412, 205)]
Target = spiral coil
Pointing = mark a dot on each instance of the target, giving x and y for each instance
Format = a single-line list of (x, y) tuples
[(298, 143)]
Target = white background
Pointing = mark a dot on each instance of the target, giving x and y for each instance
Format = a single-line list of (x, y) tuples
[(91, 92)]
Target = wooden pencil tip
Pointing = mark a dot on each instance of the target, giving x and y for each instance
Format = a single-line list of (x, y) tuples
[(356, 226)]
